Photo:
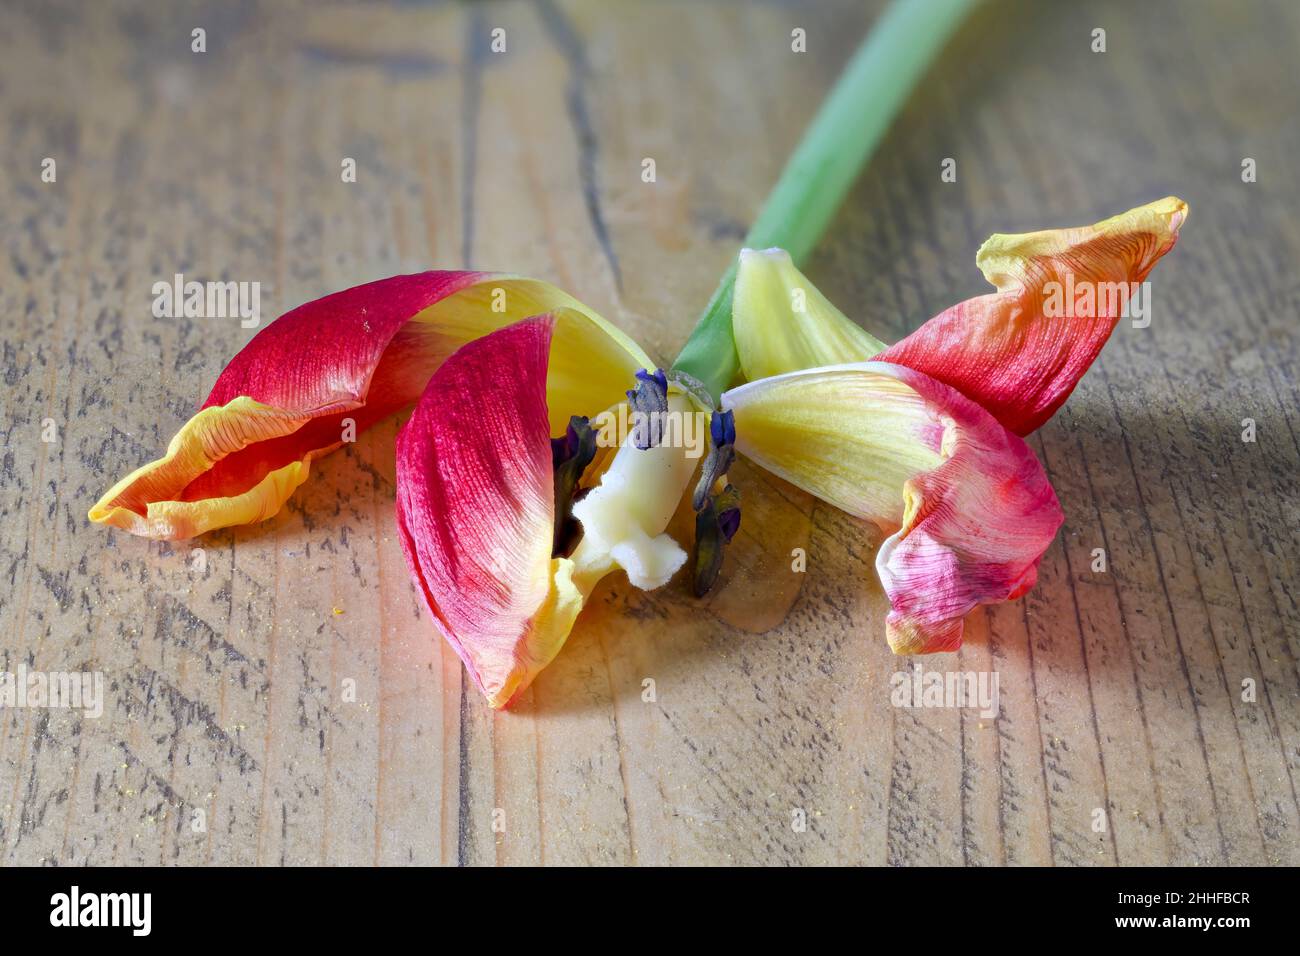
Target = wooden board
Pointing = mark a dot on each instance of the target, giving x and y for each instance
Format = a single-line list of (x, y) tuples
[(1121, 692)]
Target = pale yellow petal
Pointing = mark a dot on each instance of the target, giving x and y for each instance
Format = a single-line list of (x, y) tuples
[(782, 323), (846, 434)]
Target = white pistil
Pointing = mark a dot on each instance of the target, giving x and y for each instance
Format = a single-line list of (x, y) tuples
[(624, 517)]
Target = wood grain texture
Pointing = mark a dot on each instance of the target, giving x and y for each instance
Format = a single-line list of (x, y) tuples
[(224, 688)]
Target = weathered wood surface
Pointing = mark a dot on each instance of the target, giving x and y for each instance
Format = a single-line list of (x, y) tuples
[(1119, 690)]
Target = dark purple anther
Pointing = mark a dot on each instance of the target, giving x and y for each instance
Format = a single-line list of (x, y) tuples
[(649, 406), (722, 428)]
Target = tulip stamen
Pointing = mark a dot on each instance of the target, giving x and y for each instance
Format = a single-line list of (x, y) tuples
[(649, 404), (571, 453), (716, 503)]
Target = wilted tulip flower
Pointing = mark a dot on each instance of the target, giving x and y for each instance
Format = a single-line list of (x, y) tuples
[(512, 502)]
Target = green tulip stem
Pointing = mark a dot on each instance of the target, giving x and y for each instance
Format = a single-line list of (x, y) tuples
[(837, 144)]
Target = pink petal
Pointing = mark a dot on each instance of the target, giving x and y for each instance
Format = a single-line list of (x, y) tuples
[(974, 528), (475, 509)]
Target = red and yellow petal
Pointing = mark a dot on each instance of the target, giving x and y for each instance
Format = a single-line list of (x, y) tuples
[(329, 369), (968, 508), (1020, 351), (155, 501), (475, 509)]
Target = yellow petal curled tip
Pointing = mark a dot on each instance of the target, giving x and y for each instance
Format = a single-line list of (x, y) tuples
[(1126, 245), (153, 502)]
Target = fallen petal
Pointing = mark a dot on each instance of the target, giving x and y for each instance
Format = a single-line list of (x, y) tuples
[(475, 509), (967, 505), (327, 370)]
